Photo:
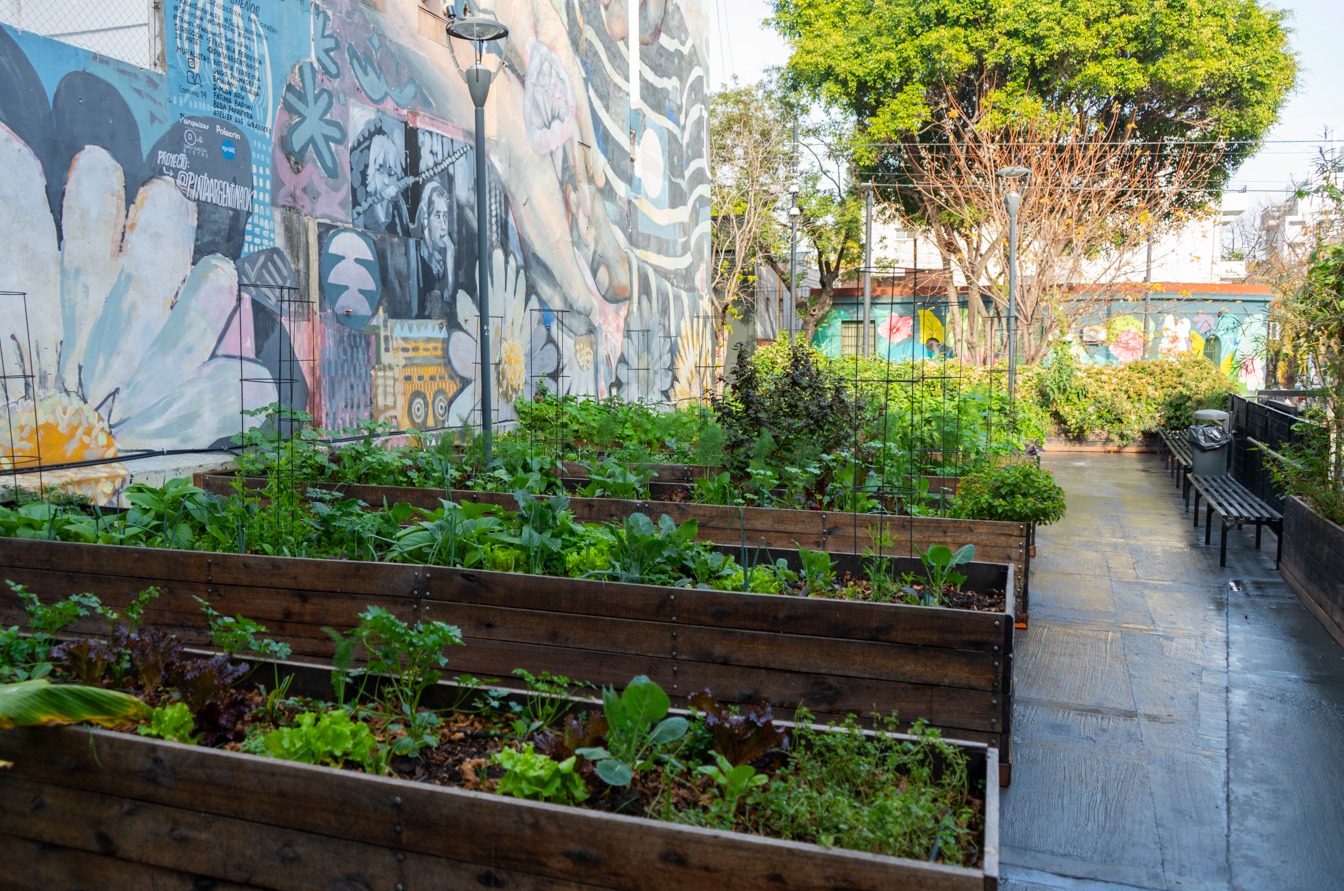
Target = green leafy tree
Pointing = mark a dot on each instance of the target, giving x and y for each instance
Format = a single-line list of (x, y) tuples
[(831, 218), (750, 158), (1312, 321), (1128, 114)]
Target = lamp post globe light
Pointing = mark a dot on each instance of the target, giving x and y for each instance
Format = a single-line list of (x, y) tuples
[(478, 30), (1012, 200)]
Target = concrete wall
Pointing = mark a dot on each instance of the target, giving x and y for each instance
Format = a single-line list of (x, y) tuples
[(287, 212)]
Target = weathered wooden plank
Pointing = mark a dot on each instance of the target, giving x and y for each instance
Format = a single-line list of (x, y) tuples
[(962, 629), (612, 851), (1313, 552), (948, 666), (826, 695), (34, 866), (158, 841)]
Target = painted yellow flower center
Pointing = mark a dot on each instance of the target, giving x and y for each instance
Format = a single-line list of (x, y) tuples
[(61, 429), (512, 370), (583, 352)]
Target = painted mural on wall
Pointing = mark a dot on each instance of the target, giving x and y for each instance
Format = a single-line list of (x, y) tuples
[(597, 236), (289, 213), (902, 331), (1229, 334), (123, 328)]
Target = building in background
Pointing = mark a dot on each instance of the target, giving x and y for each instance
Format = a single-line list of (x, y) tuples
[(1179, 298)]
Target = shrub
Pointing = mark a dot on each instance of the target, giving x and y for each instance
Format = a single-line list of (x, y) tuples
[(1018, 491), (788, 417), (1122, 402)]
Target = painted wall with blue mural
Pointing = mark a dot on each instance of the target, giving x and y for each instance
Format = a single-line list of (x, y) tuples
[(903, 329), (1222, 323), (1225, 324), (288, 213)]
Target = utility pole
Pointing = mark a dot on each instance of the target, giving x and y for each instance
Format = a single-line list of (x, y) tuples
[(1147, 295), (1011, 177)]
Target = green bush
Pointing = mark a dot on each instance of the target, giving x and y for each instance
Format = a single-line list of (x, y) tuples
[(1122, 402), (1018, 491)]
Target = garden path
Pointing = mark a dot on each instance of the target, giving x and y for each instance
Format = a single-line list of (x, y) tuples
[(1178, 725)]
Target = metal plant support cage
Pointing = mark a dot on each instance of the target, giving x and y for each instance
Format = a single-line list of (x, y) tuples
[(293, 310), (16, 382)]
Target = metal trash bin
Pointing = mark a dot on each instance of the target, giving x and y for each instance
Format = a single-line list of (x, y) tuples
[(1208, 452), (1212, 416)]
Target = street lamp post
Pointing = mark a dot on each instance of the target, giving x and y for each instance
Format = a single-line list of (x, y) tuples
[(1011, 202), (794, 214), (478, 31), (865, 342)]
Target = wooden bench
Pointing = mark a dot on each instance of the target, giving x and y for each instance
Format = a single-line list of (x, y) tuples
[(1235, 505), (1179, 458)]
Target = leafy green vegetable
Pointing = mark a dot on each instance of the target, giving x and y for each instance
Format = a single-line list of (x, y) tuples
[(331, 738), (637, 731), (538, 778)]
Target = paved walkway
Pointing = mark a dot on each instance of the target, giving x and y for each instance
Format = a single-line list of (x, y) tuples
[(1178, 725)]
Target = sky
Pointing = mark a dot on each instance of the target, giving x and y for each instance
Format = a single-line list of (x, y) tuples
[(741, 46)]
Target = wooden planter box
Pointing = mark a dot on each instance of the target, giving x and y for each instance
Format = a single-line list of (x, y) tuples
[(1312, 563), (951, 667), (836, 532), (87, 808), (673, 481)]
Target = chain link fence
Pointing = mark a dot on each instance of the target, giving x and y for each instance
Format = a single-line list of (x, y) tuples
[(120, 29)]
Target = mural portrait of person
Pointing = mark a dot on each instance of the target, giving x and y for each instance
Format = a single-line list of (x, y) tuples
[(438, 251), (378, 177)]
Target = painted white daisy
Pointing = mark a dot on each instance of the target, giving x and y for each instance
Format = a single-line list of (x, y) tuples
[(125, 345), (520, 350)]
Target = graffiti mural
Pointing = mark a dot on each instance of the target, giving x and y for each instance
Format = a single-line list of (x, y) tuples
[(902, 331), (1230, 333), (125, 331), (288, 211)]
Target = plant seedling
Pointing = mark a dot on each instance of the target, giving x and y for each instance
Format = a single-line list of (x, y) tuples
[(637, 730), (940, 569)]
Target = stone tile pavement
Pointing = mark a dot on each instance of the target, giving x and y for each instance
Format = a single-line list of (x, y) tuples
[(1178, 725)]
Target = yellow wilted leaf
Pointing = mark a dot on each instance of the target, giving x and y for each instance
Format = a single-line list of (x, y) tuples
[(32, 703)]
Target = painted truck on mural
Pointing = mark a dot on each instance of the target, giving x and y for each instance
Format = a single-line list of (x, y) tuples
[(413, 384)]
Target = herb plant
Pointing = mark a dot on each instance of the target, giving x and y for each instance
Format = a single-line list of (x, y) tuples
[(1019, 491)]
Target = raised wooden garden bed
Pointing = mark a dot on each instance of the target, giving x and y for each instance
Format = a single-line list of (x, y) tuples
[(836, 532), (86, 808), (952, 667), (1312, 563)]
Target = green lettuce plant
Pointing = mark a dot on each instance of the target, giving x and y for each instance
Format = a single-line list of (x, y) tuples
[(536, 777)]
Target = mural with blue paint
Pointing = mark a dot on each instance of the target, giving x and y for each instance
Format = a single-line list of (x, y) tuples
[(1227, 330), (903, 330), (123, 328), (320, 154)]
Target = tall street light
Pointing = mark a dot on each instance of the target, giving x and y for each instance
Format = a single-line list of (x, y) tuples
[(865, 344), (1011, 176), (794, 214), (479, 30)]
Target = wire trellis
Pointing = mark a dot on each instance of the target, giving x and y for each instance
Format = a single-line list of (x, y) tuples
[(17, 383), (283, 428)]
